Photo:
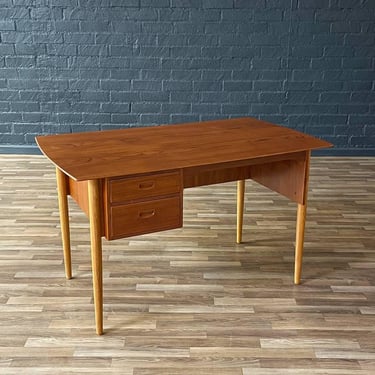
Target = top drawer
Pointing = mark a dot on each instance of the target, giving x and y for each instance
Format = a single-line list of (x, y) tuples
[(143, 187)]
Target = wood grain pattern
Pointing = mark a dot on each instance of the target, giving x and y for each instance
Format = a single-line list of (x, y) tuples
[(190, 300), (217, 143)]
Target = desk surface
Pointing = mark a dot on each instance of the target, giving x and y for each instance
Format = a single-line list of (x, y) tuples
[(94, 155)]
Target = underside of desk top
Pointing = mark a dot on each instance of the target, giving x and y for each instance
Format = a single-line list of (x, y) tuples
[(130, 151)]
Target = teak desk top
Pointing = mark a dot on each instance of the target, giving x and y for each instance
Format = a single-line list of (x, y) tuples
[(93, 155), (131, 181)]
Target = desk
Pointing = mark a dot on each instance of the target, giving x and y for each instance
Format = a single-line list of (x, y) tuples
[(131, 181)]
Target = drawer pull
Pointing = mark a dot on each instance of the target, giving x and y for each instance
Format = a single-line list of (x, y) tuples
[(146, 214), (147, 185)]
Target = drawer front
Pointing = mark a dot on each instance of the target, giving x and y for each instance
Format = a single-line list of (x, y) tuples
[(145, 217), (144, 187)]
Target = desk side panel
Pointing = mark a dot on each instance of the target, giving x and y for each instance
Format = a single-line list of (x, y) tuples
[(78, 191), (286, 177)]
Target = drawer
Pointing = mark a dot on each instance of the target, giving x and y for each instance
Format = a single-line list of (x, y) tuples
[(145, 217), (144, 187)]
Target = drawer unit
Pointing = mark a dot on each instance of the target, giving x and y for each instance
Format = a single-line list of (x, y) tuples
[(145, 217), (143, 187), (142, 204)]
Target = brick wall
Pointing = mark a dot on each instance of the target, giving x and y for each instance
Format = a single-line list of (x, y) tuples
[(78, 65)]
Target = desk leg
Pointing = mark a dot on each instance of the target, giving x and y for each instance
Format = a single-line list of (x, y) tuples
[(62, 191), (240, 205), (301, 219), (300, 233), (96, 251)]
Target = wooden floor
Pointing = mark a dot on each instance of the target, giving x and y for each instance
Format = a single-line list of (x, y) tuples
[(190, 301)]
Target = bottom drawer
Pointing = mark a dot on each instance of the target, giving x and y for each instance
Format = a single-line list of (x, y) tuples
[(145, 217)]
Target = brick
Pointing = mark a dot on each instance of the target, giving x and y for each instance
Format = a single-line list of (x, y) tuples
[(121, 3), (115, 107), (123, 27), (96, 118), (264, 108), (168, 15), (207, 85), (7, 25), (205, 15), (177, 85), (154, 119), (145, 14), (268, 85), (120, 118), (6, 49), (184, 118), (230, 109), (20, 61), (268, 15), (145, 107), (335, 97), (365, 141), (144, 63), (146, 85), (155, 97), (186, 3), (154, 3), (124, 96), (79, 38), (354, 108), (184, 97), (238, 86), (323, 108), (357, 63), (256, 4), (206, 108), (25, 107), (116, 85), (154, 52), (183, 75), (217, 4), (95, 96), (176, 107), (28, 49), (241, 16), (333, 119), (93, 50), (272, 97), (13, 13), (95, 26)]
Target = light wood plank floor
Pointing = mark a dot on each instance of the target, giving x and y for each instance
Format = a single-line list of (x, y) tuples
[(191, 301)]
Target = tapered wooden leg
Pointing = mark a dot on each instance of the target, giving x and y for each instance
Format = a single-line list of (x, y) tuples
[(300, 234), (240, 205), (96, 251), (62, 192)]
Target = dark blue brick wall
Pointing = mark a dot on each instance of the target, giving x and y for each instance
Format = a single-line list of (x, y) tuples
[(76, 65)]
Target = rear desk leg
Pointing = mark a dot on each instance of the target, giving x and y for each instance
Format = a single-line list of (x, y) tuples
[(300, 234), (301, 220), (240, 205), (62, 191)]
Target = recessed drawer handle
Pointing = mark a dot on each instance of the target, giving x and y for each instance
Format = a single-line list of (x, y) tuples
[(146, 214), (148, 185)]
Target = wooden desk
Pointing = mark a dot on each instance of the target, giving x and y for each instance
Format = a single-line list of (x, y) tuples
[(131, 181)]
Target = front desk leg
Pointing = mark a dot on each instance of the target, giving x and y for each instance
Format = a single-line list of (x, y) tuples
[(96, 251), (240, 205), (300, 234), (62, 192)]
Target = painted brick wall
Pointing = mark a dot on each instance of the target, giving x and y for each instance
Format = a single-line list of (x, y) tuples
[(79, 65)]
